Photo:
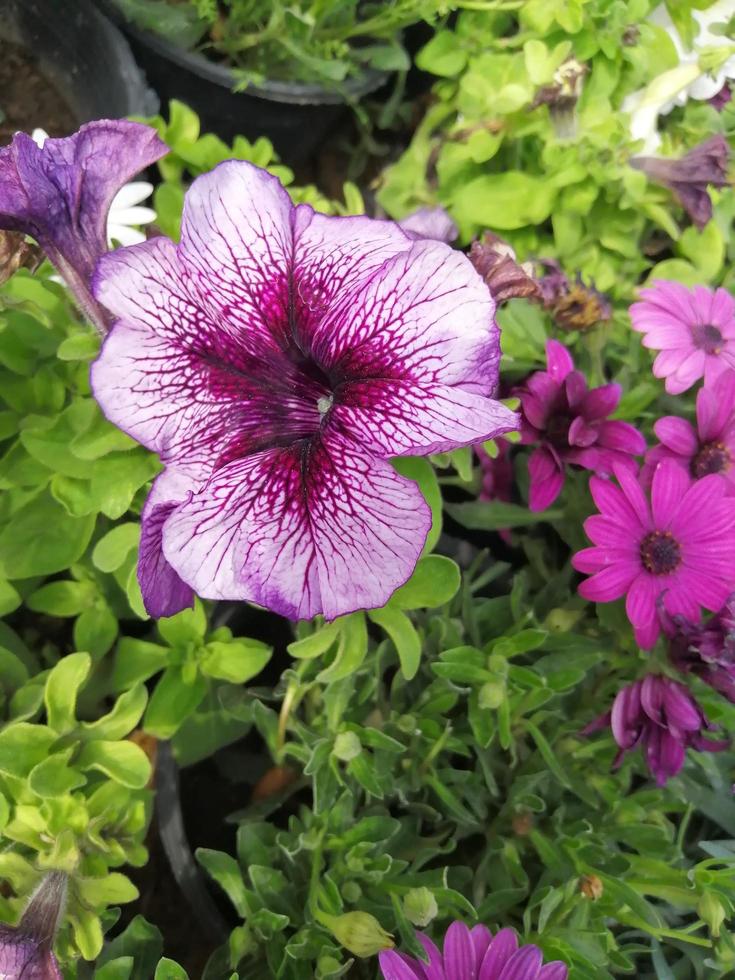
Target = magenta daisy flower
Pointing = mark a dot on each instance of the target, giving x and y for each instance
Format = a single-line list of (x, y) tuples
[(568, 423), (708, 448), (473, 954), (677, 550), (275, 360), (661, 717), (694, 330)]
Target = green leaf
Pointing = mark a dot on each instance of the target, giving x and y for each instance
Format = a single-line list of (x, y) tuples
[(422, 472), (54, 777), (43, 539), (317, 643), (114, 547), (443, 55), (112, 889), (23, 746), (503, 201), (351, 650), (188, 626), (169, 970), (226, 872), (62, 687), (435, 581), (137, 660), (118, 969), (494, 515), (95, 630), (9, 598), (237, 660), (124, 762), (172, 701), (67, 598), (121, 720), (404, 636), (79, 347)]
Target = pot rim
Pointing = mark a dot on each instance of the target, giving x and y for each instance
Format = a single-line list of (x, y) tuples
[(293, 93)]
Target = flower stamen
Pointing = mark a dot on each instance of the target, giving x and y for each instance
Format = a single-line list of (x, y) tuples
[(707, 337), (713, 457), (660, 553)]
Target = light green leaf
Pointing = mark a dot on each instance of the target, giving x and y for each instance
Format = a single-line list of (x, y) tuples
[(124, 762), (172, 701), (23, 746), (66, 598), (434, 582), (54, 776), (351, 650), (62, 687), (405, 638), (188, 626), (43, 539), (422, 472), (494, 515), (121, 720), (114, 547), (236, 661), (225, 870)]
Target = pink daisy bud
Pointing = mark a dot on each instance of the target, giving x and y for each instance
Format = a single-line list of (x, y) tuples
[(708, 448), (473, 954), (568, 424), (694, 330), (661, 717), (674, 552)]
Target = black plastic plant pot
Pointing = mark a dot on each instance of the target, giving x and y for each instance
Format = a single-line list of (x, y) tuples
[(294, 116), (82, 54)]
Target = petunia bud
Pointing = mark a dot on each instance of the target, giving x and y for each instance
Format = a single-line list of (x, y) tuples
[(359, 932), (419, 906), (505, 277), (26, 950), (711, 911)]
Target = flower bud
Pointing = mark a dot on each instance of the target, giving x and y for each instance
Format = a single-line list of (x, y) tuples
[(347, 746), (491, 695), (711, 911), (419, 906), (591, 887), (25, 951), (359, 932)]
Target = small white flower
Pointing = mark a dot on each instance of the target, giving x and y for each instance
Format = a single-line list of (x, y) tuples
[(689, 80), (126, 213)]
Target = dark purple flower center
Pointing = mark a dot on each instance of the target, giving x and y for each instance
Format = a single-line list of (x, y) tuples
[(660, 553), (557, 430), (713, 457), (707, 337)]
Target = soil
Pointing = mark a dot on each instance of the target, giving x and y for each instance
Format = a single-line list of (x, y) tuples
[(27, 99)]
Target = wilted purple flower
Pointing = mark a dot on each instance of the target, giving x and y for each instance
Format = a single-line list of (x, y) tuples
[(710, 448), (60, 194), (433, 223), (673, 554), (660, 716), (26, 949), (568, 423), (694, 330), (275, 360), (721, 98), (497, 476), (573, 304), (553, 284), (473, 954), (706, 649), (690, 176), (505, 276)]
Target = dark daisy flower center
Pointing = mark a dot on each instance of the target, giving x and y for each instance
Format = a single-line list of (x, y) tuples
[(707, 337), (713, 457), (557, 430), (660, 553)]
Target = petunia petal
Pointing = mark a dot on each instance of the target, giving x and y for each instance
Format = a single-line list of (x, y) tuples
[(302, 530), (164, 592), (396, 418), (424, 316)]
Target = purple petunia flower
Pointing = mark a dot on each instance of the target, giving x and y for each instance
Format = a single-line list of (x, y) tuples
[(676, 552), (710, 448), (473, 954), (433, 223), (722, 98), (706, 649), (570, 424), (660, 716), (25, 949), (694, 330), (689, 177), (60, 194), (276, 359)]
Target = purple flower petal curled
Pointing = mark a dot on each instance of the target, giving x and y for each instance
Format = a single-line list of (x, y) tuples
[(60, 194), (274, 360)]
